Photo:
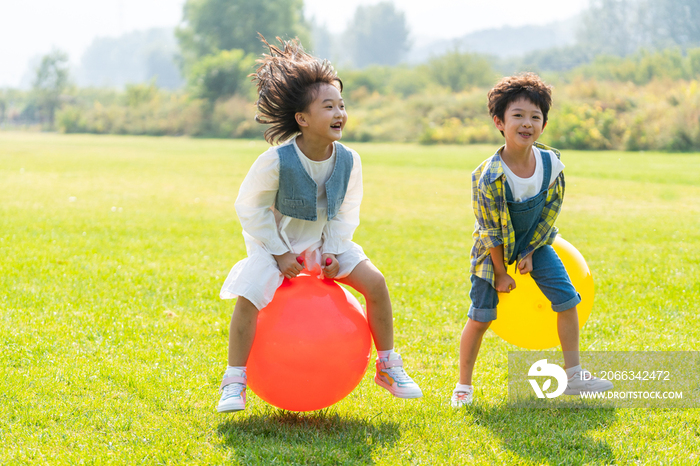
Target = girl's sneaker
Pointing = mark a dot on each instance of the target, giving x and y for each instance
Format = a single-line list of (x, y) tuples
[(461, 398), (392, 376), (232, 391)]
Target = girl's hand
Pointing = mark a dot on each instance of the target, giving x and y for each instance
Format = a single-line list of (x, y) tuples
[(289, 265), (525, 265), (330, 266), (504, 283)]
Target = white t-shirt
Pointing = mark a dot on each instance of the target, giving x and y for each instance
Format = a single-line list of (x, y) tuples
[(526, 188), (319, 171), (263, 226)]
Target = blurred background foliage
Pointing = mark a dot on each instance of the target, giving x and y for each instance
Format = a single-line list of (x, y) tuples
[(625, 78)]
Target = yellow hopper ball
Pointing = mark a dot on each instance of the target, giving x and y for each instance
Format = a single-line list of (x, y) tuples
[(525, 315)]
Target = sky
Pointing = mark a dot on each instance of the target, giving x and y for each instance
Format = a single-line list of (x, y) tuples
[(32, 28)]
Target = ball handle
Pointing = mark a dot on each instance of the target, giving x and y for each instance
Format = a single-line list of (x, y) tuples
[(300, 259)]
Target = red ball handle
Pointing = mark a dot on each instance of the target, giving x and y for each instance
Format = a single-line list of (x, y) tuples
[(300, 259), (329, 261)]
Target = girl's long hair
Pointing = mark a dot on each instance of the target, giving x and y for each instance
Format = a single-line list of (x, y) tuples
[(287, 80)]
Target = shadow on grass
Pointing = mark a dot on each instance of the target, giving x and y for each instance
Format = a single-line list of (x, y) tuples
[(556, 436), (273, 436)]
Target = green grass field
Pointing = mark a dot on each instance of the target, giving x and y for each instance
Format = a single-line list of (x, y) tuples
[(113, 338)]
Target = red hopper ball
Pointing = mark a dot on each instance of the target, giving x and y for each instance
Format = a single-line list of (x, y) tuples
[(311, 347)]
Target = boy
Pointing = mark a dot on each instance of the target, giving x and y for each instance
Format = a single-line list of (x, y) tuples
[(516, 196)]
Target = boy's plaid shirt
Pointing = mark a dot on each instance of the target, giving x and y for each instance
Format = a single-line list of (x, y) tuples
[(493, 226)]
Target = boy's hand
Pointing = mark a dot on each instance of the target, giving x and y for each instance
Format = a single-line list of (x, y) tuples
[(525, 265), (289, 264), (330, 266), (504, 283)]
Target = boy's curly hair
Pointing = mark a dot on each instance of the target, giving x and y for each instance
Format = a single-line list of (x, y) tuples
[(287, 80), (512, 88)]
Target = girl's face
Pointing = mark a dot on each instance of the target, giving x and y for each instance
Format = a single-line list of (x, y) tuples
[(325, 118)]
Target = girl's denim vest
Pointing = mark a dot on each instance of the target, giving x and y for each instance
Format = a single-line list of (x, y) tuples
[(296, 196)]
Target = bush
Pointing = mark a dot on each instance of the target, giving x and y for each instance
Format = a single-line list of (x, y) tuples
[(583, 126), (72, 120), (456, 131), (405, 104), (234, 118), (644, 66), (669, 120), (164, 114), (400, 80), (459, 71)]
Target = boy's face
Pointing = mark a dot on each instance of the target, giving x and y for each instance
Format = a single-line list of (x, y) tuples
[(326, 117), (523, 123)]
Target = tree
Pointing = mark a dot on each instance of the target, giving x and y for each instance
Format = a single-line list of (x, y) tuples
[(677, 21), (377, 35), (324, 43), (221, 75), (50, 82), (607, 27), (621, 27), (210, 26), (135, 57)]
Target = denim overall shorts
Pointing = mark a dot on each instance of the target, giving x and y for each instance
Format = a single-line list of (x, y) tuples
[(547, 269)]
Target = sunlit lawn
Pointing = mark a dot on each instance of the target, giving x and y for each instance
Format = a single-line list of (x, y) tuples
[(113, 339)]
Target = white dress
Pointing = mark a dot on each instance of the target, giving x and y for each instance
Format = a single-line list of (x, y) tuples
[(267, 232)]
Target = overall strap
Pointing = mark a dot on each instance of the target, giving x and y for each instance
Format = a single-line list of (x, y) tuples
[(547, 165), (509, 193)]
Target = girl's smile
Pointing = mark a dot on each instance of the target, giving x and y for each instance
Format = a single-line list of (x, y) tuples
[(322, 123), (325, 118)]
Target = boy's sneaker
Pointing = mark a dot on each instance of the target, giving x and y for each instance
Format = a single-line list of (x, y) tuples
[(390, 375), (232, 391), (461, 398), (583, 381)]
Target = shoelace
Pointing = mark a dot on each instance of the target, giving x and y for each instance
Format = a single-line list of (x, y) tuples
[(399, 374), (233, 389), (461, 397)]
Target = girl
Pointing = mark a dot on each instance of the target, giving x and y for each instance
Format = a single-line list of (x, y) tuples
[(299, 206)]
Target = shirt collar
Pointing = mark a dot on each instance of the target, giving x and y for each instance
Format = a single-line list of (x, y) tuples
[(495, 169)]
